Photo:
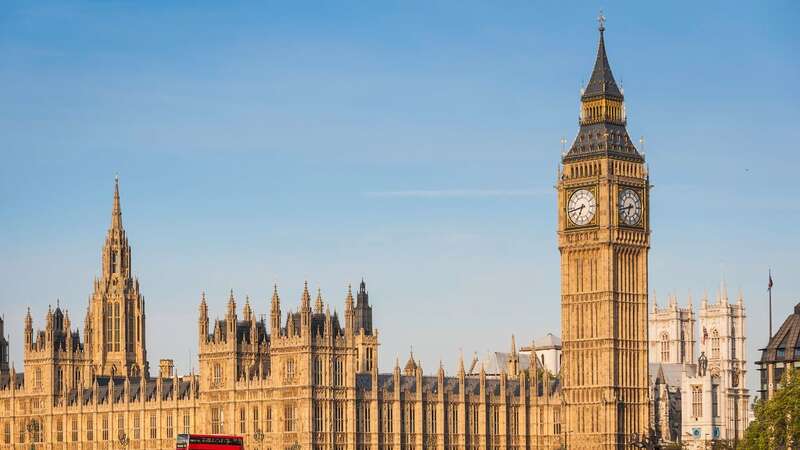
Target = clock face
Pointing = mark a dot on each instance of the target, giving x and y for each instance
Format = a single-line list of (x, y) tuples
[(581, 207), (630, 207)]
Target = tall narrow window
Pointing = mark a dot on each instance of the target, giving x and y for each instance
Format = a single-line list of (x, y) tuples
[(256, 428), (338, 417), (289, 418), (715, 344), (186, 422), (269, 419), (105, 427), (90, 428), (242, 421), (317, 370), (664, 348), (129, 332), (386, 417), (59, 429), (338, 372), (153, 426), (116, 327), (137, 427), (557, 421), (317, 417), (697, 401), (216, 421), (217, 379), (714, 396), (289, 369), (120, 423), (170, 428), (109, 331)]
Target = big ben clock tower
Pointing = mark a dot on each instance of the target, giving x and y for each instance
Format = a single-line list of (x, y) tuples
[(604, 239)]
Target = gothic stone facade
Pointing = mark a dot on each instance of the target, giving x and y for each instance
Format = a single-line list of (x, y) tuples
[(305, 379), (308, 380), (703, 399), (604, 240)]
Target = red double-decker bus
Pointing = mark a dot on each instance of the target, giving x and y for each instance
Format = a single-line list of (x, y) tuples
[(209, 442)]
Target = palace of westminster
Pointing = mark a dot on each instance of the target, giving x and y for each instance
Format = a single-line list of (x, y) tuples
[(308, 378)]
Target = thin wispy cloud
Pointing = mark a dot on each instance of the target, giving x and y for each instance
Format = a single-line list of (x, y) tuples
[(458, 193)]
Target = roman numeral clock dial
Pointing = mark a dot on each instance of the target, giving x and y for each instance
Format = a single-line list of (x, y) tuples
[(630, 207), (581, 207)]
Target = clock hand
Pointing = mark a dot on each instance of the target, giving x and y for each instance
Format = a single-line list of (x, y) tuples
[(576, 209)]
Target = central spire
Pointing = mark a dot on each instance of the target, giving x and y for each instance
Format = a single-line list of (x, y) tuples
[(602, 83), (116, 212), (603, 118)]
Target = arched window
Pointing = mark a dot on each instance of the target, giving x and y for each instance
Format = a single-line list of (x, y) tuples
[(37, 378), (715, 344), (665, 347)]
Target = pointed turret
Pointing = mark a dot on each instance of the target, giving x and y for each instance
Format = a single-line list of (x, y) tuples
[(318, 305), (411, 365), (247, 311), (231, 304), (275, 313), (513, 359), (602, 84), (362, 315), (305, 301), (348, 312), (28, 329), (202, 321), (116, 212)]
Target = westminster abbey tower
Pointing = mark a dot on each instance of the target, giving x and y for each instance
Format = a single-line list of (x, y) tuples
[(604, 238)]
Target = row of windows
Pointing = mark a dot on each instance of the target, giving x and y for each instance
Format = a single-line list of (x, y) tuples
[(35, 431)]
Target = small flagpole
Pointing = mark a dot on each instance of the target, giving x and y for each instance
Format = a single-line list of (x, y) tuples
[(769, 289)]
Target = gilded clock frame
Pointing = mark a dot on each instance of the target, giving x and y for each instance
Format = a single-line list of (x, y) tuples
[(570, 225), (643, 216)]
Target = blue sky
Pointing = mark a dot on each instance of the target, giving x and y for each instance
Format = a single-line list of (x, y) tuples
[(414, 144)]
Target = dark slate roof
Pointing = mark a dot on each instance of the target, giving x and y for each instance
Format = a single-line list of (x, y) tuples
[(87, 396), (602, 83), (785, 344), (243, 331), (150, 389), (184, 388), (603, 139)]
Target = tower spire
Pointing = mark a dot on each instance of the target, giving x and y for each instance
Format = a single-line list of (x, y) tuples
[(602, 116), (602, 83), (116, 212)]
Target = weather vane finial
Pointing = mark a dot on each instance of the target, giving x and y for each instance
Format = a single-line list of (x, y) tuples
[(602, 20)]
